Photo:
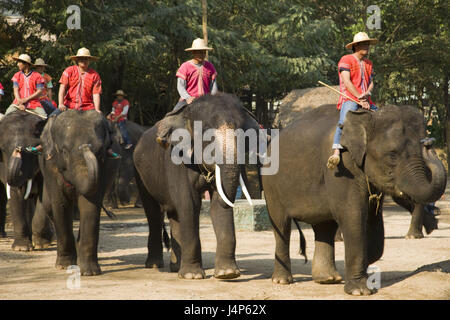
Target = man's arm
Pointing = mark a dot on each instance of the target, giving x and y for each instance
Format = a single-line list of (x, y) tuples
[(214, 89), (181, 87), (97, 102), (348, 83), (61, 93)]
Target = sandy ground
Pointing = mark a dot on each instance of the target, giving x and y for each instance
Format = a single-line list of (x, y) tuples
[(410, 269)]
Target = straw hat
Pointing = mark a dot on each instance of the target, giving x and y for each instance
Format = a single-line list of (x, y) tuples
[(83, 53), (198, 44), (119, 93), (361, 37), (40, 63), (24, 58)]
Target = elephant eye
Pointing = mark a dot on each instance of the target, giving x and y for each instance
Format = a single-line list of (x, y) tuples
[(392, 156)]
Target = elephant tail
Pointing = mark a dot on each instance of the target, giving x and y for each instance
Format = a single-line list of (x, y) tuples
[(109, 213), (302, 241), (166, 238)]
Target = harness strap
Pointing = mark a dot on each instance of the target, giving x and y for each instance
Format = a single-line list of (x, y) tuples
[(373, 197)]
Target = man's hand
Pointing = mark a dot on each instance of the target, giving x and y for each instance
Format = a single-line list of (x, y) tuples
[(364, 96), (62, 107), (365, 105), (21, 107), (190, 100)]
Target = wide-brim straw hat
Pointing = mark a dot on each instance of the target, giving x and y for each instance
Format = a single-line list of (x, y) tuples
[(119, 93), (24, 58), (39, 62), (361, 37), (83, 53), (197, 45)]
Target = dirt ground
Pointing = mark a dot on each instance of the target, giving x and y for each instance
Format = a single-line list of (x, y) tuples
[(410, 269)]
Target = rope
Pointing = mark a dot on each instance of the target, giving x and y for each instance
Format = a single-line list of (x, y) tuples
[(372, 196), (209, 176)]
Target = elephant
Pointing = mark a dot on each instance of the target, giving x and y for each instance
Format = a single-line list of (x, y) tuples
[(77, 169), (383, 155), (121, 189), (176, 188), (21, 181)]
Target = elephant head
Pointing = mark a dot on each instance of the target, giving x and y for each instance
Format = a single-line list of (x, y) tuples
[(390, 146), (17, 131), (78, 143), (207, 127)]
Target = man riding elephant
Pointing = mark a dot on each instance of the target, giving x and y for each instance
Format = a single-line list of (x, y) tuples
[(119, 113), (195, 78), (356, 82)]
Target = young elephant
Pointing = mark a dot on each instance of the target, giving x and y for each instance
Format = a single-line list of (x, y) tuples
[(177, 188), (21, 181), (76, 169), (383, 155)]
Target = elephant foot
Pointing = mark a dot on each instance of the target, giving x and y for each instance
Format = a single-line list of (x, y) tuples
[(90, 269), (23, 244), (325, 274), (41, 243), (282, 277), (227, 273), (414, 235), (152, 262), (358, 288), (191, 272), (2, 234), (63, 262)]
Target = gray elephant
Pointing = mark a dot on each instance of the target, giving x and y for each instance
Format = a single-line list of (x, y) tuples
[(76, 169), (21, 181), (121, 189), (177, 188), (384, 154)]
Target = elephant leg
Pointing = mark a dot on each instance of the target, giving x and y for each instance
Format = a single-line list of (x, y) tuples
[(155, 220), (415, 227), (3, 200), (375, 234), (353, 222), (223, 223), (88, 236), (22, 229), (175, 256), (191, 253), (281, 224), (323, 265), (62, 211), (42, 226)]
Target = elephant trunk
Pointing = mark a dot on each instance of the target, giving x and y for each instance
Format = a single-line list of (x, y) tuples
[(425, 178), (14, 173), (86, 177), (227, 180)]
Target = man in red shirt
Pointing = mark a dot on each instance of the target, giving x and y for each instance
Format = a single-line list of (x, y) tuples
[(28, 87), (80, 86), (119, 112), (46, 97), (356, 81)]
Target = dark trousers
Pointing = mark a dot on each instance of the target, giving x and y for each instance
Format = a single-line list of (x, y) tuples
[(48, 106), (124, 132)]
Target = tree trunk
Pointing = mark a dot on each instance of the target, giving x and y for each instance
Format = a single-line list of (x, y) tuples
[(447, 109)]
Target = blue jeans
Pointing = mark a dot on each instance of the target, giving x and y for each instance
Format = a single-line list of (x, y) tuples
[(346, 107), (48, 106), (124, 131)]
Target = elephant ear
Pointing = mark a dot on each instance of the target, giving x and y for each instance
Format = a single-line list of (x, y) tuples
[(170, 123), (355, 134)]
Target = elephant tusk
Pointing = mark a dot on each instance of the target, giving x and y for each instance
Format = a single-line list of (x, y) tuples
[(8, 191), (28, 191), (244, 190), (219, 187)]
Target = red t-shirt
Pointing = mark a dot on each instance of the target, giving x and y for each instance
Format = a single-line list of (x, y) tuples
[(361, 74), (198, 80), (118, 109), (28, 85), (81, 88)]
